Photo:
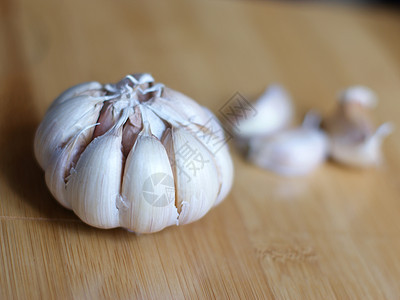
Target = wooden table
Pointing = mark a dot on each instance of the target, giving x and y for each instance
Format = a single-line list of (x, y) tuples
[(332, 235)]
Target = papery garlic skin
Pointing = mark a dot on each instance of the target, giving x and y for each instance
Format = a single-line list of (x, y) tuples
[(291, 152), (60, 166), (111, 151), (61, 123), (354, 139)]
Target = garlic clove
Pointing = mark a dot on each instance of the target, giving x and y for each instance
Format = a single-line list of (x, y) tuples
[(225, 171), (196, 175), (93, 186), (211, 134), (61, 164), (354, 141), (61, 123), (360, 154), (274, 112), (291, 152), (177, 109), (359, 94), (148, 190), (186, 106), (87, 88)]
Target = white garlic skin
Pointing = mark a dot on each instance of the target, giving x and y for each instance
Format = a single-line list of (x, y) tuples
[(61, 123), (291, 152), (274, 112), (354, 141), (112, 154)]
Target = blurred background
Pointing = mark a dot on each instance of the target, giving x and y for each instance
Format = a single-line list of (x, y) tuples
[(181, 44)]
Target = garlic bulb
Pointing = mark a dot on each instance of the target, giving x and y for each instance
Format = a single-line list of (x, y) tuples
[(134, 154), (291, 152), (354, 140)]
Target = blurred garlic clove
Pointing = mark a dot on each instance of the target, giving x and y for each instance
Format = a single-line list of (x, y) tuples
[(94, 184), (366, 153), (92, 88), (291, 152), (354, 141), (61, 164), (362, 95), (196, 176), (61, 123), (274, 112), (148, 190)]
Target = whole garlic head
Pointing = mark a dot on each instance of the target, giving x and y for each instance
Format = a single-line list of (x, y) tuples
[(134, 154)]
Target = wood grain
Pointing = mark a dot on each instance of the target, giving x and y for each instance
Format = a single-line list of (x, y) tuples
[(332, 235)]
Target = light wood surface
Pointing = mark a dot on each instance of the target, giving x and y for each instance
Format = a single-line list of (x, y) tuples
[(332, 235)]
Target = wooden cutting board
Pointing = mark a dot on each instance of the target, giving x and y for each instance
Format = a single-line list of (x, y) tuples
[(332, 235)]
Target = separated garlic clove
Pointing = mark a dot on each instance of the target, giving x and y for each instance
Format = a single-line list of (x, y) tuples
[(274, 112), (361, 154), (354, 140), (362, 95), (94, 184), (291, 152), (103, 156), (196, 176), (148, 191), (61, 123)]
